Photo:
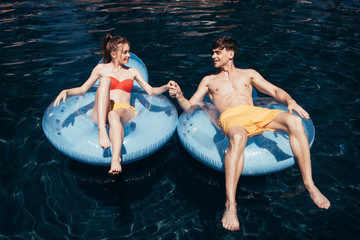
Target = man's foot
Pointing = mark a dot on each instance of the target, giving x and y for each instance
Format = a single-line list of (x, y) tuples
[(319, 199), (115, 167), (104, 140), (230, 220)]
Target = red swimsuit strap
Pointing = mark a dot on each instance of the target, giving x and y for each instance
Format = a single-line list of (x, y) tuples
[(125, 85)]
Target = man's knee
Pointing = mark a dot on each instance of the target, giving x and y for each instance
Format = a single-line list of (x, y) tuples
[(237, 137), (295, 124)]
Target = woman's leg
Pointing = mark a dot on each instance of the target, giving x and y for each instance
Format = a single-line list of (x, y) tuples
[(101, 109), (116, 119)]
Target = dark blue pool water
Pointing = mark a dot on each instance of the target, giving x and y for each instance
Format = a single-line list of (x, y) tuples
[(309, 48)]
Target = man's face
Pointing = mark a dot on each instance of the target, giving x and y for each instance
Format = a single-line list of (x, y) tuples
[(221, 57)]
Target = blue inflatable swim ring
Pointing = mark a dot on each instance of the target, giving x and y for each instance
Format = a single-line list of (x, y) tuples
[(71, 130), (266, 153)]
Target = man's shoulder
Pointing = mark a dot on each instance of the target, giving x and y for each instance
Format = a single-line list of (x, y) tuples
[(245, 70), (211, 76), (249, 72), (207, 79)]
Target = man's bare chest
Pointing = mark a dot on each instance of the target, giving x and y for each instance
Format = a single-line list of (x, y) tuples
[(229, 85)]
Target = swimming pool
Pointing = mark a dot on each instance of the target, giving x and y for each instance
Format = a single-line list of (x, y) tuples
[(309, 48)]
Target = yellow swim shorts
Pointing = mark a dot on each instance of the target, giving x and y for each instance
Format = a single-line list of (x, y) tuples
[(253, 119), (116, 105)]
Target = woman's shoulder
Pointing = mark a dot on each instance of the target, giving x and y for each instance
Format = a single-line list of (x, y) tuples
[(133, 71), (103, 69), (103, 65)]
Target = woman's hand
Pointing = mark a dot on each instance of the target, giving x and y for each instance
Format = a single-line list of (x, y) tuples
[(174, 90), (61, 96)]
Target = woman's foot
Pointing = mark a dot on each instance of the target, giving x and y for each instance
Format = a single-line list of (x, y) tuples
[(115, 167), (104, 140)]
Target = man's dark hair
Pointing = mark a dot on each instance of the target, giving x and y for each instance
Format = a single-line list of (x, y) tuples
[(229, 43)]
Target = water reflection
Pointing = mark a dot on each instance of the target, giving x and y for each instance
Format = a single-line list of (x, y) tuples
[(203, 16), (309, 48)]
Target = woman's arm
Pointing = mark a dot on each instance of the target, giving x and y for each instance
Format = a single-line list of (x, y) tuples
[(95, 74), (152, 91)]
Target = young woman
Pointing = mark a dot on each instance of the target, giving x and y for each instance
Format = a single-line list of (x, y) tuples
[(112, 99)]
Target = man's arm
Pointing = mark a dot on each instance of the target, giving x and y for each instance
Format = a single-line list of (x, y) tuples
[(279, 94), (196, 99)]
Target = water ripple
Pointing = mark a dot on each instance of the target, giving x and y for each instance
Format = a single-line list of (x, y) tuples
[(309, 48)]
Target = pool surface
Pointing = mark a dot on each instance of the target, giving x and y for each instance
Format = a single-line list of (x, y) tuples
[(311, 49)]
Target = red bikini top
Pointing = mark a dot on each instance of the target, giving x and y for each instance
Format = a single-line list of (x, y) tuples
[(125, 85)]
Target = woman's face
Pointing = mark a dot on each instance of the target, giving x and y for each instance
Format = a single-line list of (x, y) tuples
[(122, 54)]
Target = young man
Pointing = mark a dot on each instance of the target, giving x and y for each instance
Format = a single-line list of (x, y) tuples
[(230, 90)]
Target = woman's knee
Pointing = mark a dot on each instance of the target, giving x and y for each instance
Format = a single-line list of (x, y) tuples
[(113, 116), (104, 81)]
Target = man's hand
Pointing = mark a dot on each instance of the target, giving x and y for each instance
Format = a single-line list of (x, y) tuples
[(174, 90), (294, 106)]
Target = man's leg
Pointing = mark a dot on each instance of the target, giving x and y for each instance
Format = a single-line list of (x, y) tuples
[(299, 143), (233, 164)]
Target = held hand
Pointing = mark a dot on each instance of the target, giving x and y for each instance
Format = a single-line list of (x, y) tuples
[(172, 84), (294, 106), (62, 96), (169, 85), (174, 90)]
